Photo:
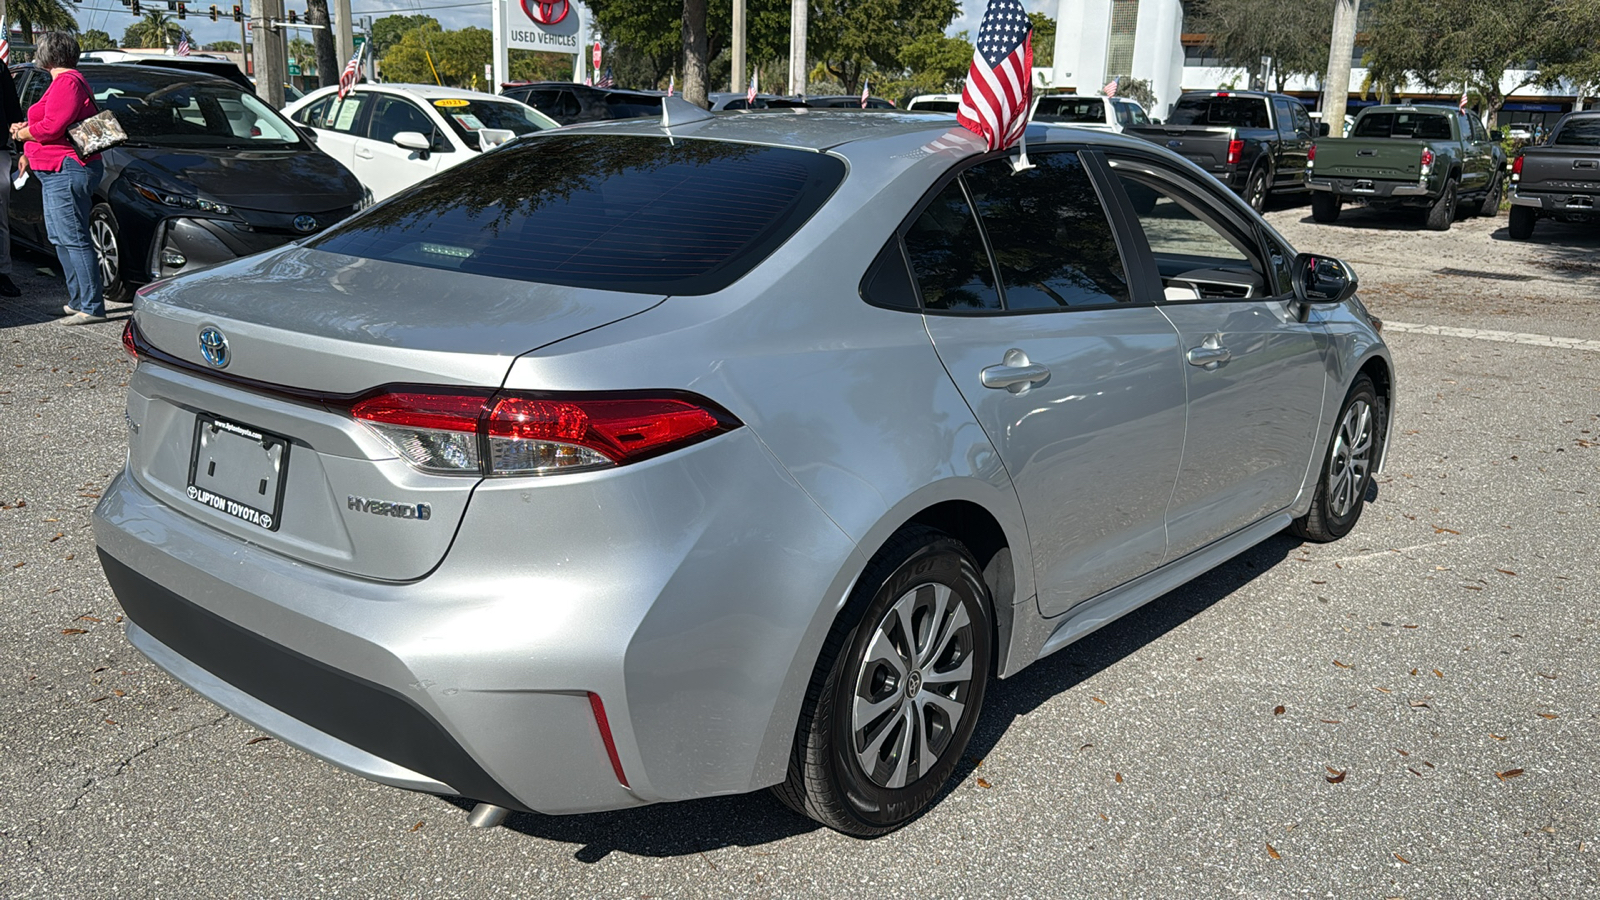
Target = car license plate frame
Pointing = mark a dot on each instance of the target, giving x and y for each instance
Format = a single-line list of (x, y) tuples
[(227, 459)]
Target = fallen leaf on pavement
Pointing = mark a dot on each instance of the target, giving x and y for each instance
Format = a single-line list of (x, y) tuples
[(1342, 665), (88, 618), (1278, 710), (1548, 716), (1437, 529), (257, 740), (1099, 701), (1543, 675), (1402, 752), (984, 784), (1496, 736), (1272, 853), (74, 631), (1508, 774), (1119, 778), (1402, 859), (417, 827), (1337, 776), (1329, 721), (1438, 673), (1382, 690)]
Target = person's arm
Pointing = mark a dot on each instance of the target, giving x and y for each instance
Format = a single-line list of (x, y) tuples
[(49, 119)]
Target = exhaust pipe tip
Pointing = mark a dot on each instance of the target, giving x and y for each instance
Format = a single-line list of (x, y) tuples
[(487, 815)]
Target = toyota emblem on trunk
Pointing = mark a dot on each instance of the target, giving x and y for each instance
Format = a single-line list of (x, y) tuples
[(305, 223), (214, 346)]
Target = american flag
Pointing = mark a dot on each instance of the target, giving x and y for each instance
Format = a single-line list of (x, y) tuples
[(183, 44), (999, 91), (1463, 104), (5, 41), (351, 73), (1111, 86), (672, 84), (750, 94), (605, 80), (864, 84)]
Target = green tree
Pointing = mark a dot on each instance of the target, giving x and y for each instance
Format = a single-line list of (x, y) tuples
[(304, 56), (931, 64), (1044, 39), (1289, 36), (1139, 91), (41, 15), (851, 36), (643, 39), (1451, 45), (95, 39), (224, 46), (458, 57), (156, 30), (388, 30)]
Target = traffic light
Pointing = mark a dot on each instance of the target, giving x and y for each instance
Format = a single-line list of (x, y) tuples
[(183, 11), (136, 7), (293, 17), (213, 13), (238, 13)]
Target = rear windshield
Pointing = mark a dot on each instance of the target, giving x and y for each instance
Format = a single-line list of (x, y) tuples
[(1073, 109), (935, 106), (1230, 112), (1422, 126), (1579, 133), (614, 212)]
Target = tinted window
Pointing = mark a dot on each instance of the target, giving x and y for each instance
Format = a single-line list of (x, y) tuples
[(1285, 117), (1134, 112), (1073, 109), (1233, 112), (947, 255), (1302, 119), (945, 106), (1051, 239), (34, 90), (393, 115), (603, 211), (1579, 133)]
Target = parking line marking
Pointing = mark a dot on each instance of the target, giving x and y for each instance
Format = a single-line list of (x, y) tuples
[(1504, 337)]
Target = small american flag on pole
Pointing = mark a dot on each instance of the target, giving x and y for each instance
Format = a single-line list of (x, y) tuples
[(750, 94), (5, 42), (999, 92), (183, 44), (1462, 106), (351, 73), (606, 80), (1111, 86), (864, 94), (672, 84)]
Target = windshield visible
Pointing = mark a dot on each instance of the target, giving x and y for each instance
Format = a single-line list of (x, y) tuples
[(1073, 109), (1579, 133), (165, 110), (469, 116), (1227, 112), (1429, 126)]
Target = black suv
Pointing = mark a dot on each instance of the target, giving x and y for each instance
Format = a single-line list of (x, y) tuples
[(568, 103)]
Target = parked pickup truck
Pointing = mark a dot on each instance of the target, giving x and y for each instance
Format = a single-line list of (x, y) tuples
[(1253, 142), (1561, 179), (1435, 158)]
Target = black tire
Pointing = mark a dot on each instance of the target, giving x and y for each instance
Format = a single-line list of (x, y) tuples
[(827, 779), (1521, 224), (1347, 469), (1491, 198), (1325, 207), (104, 236), (1256, 189), (1443, 210)]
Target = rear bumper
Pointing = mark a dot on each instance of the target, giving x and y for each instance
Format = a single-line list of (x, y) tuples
[(1346, 187), (694, 617), (1565, 204)]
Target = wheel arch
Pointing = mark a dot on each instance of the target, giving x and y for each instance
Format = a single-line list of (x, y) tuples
[(1378, 369)]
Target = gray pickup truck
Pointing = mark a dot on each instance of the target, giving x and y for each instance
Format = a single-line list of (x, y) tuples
[(1561, 178), (1433, 158)]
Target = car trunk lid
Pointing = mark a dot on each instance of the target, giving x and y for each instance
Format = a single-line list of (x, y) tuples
[(1379, 159)]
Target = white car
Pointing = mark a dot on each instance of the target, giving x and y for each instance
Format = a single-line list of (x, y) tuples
[(1092, 111), (395, 135), (945, 103)]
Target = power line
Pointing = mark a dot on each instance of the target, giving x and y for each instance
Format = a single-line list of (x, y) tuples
[(203, 13)]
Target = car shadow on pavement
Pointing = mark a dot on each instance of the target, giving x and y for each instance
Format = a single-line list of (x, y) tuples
[(1358, 218), (1567, 250), (746, 820)]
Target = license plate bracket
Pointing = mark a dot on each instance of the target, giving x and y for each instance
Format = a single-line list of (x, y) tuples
[(238, 471)]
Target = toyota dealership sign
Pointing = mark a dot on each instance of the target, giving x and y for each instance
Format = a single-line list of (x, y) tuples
[(549, 25)]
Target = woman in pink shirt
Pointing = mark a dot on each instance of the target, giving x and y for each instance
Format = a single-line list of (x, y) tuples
[(67, 180)]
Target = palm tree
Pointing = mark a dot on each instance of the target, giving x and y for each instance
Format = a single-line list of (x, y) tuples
[(156, 29), (45, 15)]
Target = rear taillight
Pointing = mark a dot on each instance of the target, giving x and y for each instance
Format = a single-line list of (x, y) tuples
[(1516, 169), (482, 433), (128, 343), (1427, 160), (1311, 155), (1235, 151)]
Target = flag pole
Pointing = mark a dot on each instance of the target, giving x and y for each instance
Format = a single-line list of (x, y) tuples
[(1021, 163)]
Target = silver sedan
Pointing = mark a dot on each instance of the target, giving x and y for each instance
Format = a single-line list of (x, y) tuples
[(640, 462)]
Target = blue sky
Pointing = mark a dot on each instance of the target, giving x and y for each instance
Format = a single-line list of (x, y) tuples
[(111, 17)]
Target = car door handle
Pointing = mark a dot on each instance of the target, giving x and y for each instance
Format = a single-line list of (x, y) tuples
[(1015, 373), (1210, 354), (363, 152)]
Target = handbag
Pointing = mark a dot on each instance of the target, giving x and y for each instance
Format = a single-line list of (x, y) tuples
[(97, 133)]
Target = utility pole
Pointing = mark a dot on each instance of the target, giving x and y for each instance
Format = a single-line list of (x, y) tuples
[(345, 36), (798, 11), (738, 81), (272, 56), (1336, 87)]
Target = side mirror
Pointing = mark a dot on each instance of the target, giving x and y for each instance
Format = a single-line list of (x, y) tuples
[(1322, 129), (1494, 135), (490, 138), (413, 140), (1323, 280)]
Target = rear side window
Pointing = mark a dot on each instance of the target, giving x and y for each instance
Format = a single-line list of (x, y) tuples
[(613, 212), (947, 253)]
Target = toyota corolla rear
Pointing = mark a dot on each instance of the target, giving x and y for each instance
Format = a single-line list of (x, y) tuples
[(339, 524)]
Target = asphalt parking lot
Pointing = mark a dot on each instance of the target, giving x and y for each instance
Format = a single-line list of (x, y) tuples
[(1410, 712)]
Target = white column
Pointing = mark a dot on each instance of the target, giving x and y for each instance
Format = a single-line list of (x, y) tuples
[(798, 13), (502, 58)]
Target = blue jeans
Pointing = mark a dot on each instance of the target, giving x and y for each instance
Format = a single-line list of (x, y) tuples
[(68, 198)]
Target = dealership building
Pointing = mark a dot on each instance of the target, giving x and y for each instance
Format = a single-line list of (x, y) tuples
[(1098, 40)]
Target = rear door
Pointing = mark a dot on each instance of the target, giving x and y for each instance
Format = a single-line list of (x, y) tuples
[(1256, 376), (1078, 386), (1294, 142)]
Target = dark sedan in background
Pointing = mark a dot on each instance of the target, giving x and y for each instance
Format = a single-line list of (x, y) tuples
[(209, 173)]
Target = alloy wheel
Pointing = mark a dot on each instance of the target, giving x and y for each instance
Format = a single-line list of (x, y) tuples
[(104, 239), (913, 686), (1351, 458)]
